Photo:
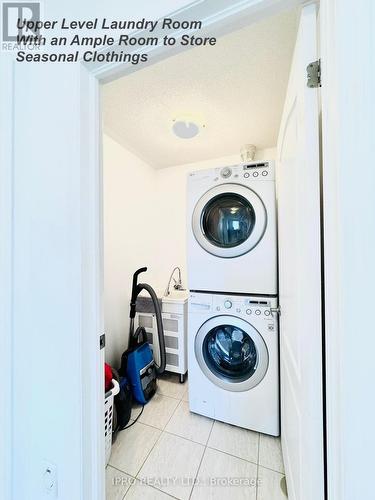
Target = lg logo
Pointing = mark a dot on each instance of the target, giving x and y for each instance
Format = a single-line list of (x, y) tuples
[(12, 12)]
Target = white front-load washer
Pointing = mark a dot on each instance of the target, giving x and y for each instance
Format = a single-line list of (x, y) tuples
[(233, 360), (232, 243)]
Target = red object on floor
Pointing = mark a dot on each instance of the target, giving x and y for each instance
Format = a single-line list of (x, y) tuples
[(108, 377)]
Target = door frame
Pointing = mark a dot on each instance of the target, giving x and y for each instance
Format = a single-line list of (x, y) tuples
[(6, 272)]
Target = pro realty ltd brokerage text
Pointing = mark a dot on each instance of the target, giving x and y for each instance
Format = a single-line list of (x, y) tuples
[(143, 33)]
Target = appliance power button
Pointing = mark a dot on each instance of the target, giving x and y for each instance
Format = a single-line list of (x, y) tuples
[(226, 172)]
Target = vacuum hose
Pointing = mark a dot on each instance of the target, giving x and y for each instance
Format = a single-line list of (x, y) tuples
[(159, 322), (136, 289)]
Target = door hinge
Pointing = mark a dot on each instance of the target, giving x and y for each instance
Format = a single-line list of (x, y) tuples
[(314, 75), (276, 310), (102, 341)]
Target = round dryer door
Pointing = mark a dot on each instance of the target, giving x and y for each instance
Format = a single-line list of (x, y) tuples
[(229, 220), (231, 353)]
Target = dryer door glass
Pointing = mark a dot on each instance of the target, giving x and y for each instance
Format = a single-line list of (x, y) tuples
[(228, 220), (230, 353)]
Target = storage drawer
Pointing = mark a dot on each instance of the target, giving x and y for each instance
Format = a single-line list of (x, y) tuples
[(174, 338), (170, 342)]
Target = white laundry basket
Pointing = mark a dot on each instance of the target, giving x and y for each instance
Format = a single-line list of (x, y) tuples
[(108, 418)]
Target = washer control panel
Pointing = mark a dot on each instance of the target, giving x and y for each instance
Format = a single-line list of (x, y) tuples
[(243, 306), (251, 309)]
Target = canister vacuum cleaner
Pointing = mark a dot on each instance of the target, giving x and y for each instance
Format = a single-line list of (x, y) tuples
[(137, 362)]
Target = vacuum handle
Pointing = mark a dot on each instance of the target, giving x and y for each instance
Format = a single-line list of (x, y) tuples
[(135, 290)]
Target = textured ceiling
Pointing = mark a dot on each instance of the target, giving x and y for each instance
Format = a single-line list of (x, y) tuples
[(235, 88)]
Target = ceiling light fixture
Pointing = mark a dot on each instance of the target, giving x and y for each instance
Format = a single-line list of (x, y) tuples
[(186, 127)]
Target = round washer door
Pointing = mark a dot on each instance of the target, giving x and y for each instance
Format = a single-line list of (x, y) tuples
[(229, 220), (231, 353)]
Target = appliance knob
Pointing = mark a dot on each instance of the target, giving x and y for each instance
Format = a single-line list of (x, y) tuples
[(246, 175), (257, 312), (264, 173), (226, 172), (228, 304), (255, 174), (248, 311), (267, 312)]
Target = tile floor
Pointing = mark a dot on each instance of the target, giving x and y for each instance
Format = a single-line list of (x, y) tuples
[(172, 453)]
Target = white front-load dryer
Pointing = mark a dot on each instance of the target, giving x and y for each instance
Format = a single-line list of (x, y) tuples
[(234, 360), (232, 243)]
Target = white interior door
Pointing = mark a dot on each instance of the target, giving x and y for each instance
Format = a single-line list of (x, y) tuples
[(300, 275)]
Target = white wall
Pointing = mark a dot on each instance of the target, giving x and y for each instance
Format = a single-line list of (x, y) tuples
[(130, 216), (144, 225)]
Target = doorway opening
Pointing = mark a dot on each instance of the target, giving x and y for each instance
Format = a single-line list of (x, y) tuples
[(190, 112)]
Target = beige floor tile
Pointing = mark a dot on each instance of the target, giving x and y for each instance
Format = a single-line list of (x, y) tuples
[(116, 484), (189, 425), (136, 409), (269, 485), (157, 412), (140, 491), (270, 455), (239, 442), (172, 465), (132, 447), (223, 477), (169, 385), (185, 396)]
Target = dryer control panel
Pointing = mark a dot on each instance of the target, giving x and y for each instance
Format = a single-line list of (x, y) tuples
[(244, 173), (258, 171)]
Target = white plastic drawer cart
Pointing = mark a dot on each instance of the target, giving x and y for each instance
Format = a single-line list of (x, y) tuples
[(174, 313)]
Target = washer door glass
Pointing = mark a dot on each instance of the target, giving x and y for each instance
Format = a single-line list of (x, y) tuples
[(228, 220), (230, 352)]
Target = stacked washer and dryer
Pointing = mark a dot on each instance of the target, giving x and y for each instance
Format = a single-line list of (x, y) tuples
[(233, 341)]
